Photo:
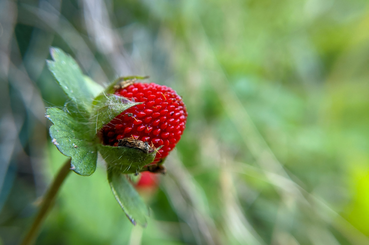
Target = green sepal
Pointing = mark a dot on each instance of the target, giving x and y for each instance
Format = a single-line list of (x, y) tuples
[(161, 162), (128, 198), (95, 88), (110, 88), (73, 140), (106, 107), (125, 159), (80, 90)]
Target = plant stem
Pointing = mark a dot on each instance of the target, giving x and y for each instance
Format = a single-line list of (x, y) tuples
[(47, 203)]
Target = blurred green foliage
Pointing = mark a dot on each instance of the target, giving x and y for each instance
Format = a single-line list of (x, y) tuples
[(277, 139)]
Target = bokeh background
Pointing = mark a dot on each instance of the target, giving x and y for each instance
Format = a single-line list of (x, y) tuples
[(276, 145)]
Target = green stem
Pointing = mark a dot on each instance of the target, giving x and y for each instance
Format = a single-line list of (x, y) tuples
[(47, 203)]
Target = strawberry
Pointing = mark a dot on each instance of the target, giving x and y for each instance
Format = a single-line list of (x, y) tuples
[(147, 185), (147, 180), (159, 120)]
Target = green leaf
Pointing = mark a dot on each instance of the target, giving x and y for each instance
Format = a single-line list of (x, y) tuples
[(71, 79), (95, 88), (73, 140), (124, 159), (107, 107), (110, 88), (128, 198)]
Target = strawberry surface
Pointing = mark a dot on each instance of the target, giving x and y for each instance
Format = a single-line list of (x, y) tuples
[(159, 120)]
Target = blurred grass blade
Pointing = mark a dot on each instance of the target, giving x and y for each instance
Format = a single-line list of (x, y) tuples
[(128, 198)]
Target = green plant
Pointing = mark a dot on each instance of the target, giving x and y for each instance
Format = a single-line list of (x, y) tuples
[(78, 131)]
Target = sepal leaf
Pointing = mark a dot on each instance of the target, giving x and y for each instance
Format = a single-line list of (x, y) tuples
[(66, 71), (110, 88), (73, 140), (107, 107), (125, 159), (128, 198), (95, 88)]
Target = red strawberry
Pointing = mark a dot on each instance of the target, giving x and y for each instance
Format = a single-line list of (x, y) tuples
[(147, 180), (159, 120)]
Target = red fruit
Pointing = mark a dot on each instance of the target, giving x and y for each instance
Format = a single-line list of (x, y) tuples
[(159, 120), (147, 180)]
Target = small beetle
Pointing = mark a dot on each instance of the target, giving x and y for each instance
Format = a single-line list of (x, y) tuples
[(135, 143)]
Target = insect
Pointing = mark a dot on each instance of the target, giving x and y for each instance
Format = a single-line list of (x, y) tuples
[(135, 143), (125, 83), (157, 168)]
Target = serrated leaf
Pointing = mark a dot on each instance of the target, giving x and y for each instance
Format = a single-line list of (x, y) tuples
[(95, 88), (107, 107), (71, 79), (128, 198), (73, 140), (124, 159)]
